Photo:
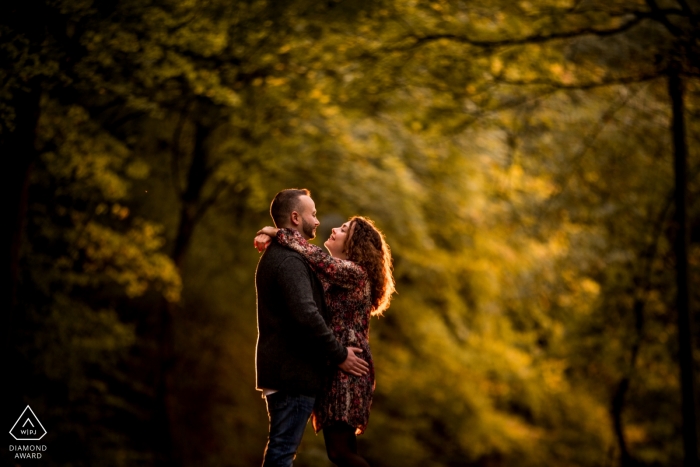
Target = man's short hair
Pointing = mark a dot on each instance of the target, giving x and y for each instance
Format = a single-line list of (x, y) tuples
[(286, 202)]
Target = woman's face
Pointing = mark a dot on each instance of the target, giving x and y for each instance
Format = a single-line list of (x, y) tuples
[(336, 242)]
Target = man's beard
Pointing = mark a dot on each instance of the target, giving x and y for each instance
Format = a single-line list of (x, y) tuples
[(308, 229)]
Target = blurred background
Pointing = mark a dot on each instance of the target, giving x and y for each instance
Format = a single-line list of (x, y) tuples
[(518, 155)]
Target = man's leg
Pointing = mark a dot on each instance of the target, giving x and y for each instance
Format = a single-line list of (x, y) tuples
[(288, 415)]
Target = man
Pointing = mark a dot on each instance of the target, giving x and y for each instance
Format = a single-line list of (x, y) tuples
[(294, 341)]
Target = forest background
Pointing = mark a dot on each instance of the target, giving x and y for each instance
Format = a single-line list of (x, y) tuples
[(518, 155)]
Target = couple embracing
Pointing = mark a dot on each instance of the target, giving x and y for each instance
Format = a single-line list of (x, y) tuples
[(313, 357)]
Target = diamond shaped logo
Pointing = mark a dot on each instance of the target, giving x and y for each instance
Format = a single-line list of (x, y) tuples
[(27, 427)]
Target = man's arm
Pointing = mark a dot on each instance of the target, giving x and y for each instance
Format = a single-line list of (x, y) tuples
[(296, 287)]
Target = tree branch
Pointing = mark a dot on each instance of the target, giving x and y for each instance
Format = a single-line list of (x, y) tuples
[(532, 39), (688, 12), (485, 113), (586, 145), (176, 152), (662, 17), (209, 201)]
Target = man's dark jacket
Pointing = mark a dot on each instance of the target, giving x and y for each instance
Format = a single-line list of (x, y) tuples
[(294, 341)]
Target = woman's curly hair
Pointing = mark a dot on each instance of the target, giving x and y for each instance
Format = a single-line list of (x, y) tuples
[(367, 247)]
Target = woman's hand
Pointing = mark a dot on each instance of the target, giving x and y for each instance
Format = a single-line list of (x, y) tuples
[(263, 238), (261, 242)]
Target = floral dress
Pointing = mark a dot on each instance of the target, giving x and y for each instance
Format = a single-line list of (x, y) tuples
[(345, 398)]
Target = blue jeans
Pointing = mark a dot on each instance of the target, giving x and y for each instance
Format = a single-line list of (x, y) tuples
[(288, 414)]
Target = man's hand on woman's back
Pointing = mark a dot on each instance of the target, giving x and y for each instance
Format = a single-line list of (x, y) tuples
[(354, 365)]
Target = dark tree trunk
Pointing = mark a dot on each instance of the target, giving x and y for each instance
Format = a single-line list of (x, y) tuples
[(190, 213), (685, 357), (19, 153), (618, 402), (642, 286), (191, 198)]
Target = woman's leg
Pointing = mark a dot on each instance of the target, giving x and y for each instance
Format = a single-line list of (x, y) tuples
[(341, 445)]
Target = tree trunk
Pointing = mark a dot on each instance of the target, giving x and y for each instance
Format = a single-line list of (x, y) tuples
[(191, 198), (685, 357), (19, 153), (190, 214), (618, 402)]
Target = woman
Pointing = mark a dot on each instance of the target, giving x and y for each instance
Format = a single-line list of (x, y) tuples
[(358, 283)]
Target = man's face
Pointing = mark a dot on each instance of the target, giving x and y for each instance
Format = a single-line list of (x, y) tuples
[(307, 212)]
